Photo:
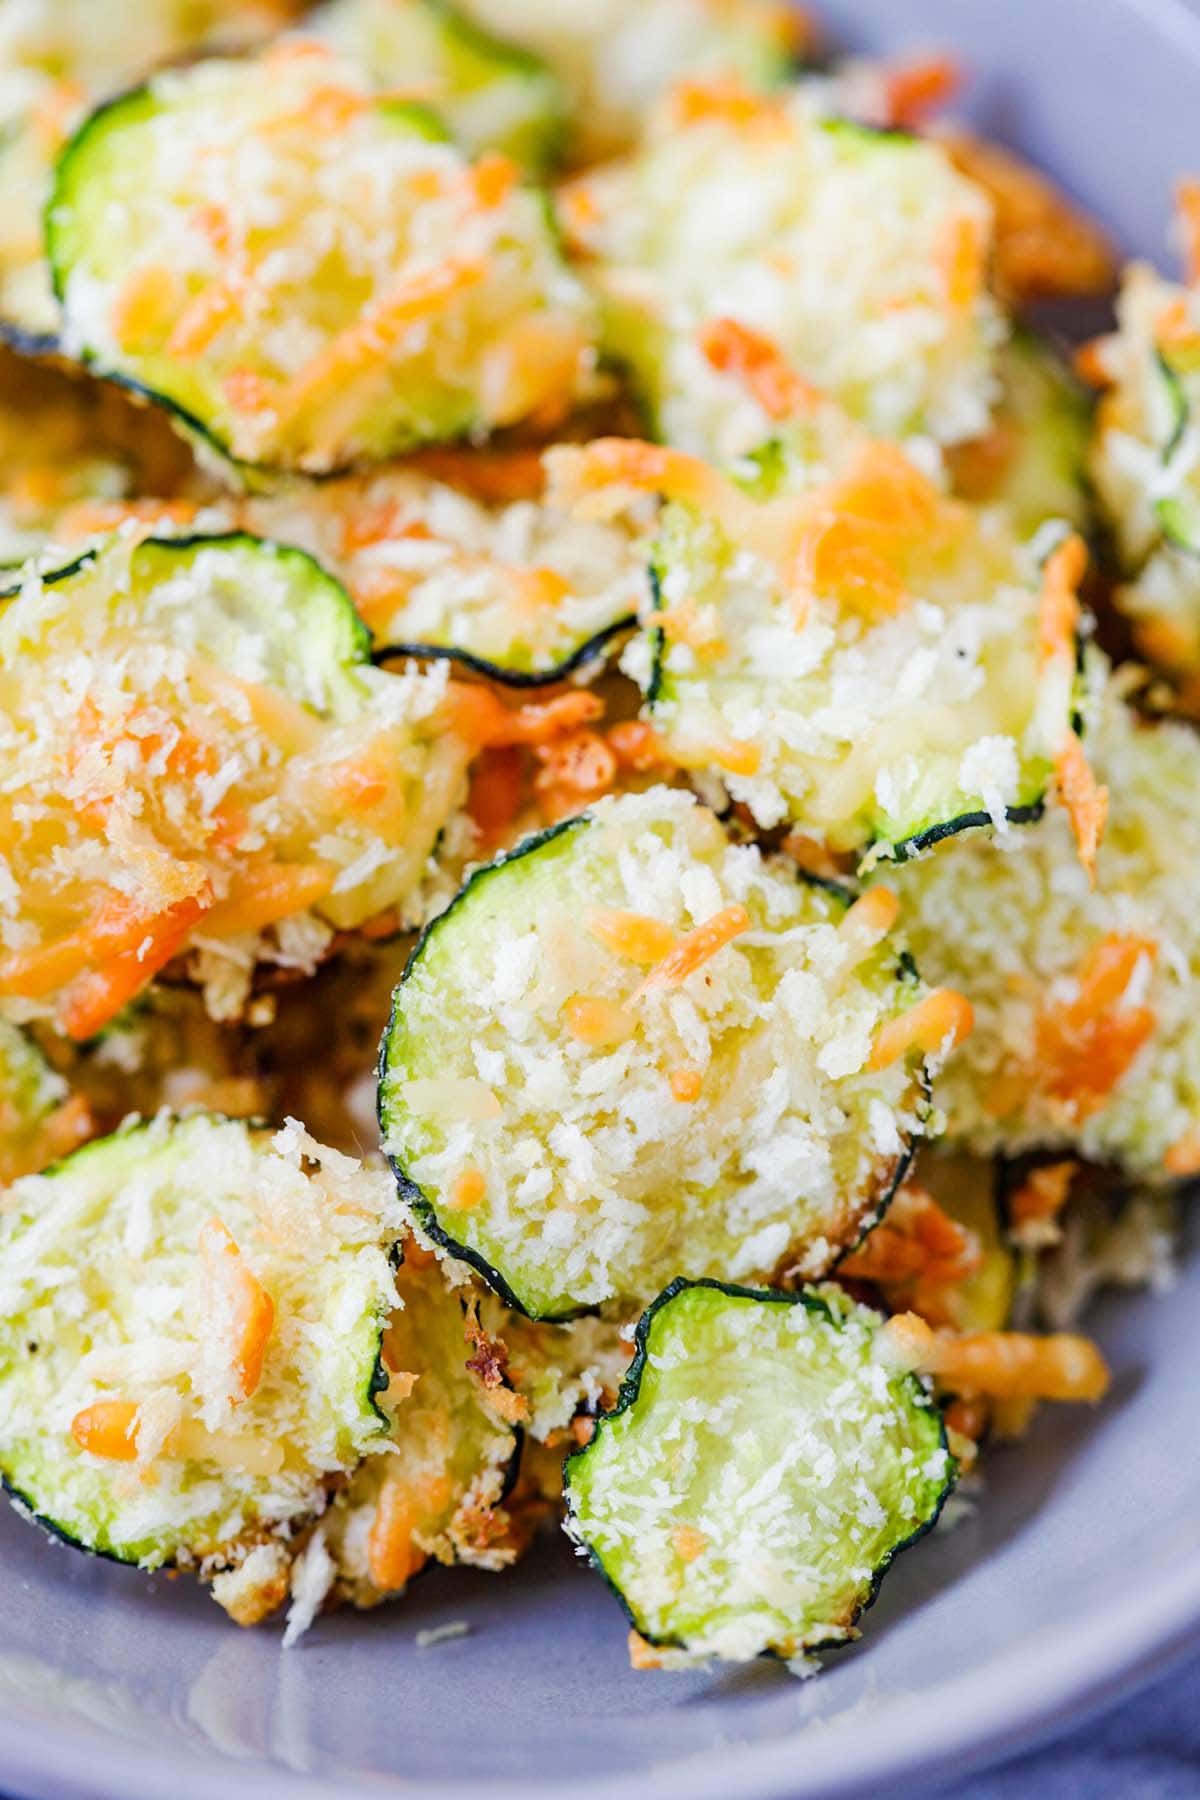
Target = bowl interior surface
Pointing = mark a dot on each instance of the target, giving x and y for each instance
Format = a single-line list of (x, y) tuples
[(1077, 1573)]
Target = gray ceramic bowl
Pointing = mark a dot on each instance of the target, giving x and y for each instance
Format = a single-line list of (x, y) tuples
[(1078, 1577)]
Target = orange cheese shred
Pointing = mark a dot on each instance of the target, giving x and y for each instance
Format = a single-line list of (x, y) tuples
[(697, 948), (239, 1312)]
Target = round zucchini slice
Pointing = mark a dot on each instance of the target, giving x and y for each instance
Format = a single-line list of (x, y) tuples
[(492, 94), (309, 274), (520, 592), (616, 57), (629, 1045), (751, 250), (1145, 464), (208, 768), (853, 653), (190, 1323), (761, 1471), (1085, 999), (435, 1492)]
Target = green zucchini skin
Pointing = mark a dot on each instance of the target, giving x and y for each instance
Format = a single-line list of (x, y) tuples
[(594, 649), (627, 1400), (356, 648), (914, 846), (547, 1295), (413, 1195)]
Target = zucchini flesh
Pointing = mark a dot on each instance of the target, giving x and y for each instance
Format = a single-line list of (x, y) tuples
[(436, 1492), (759, 1474), (104, 1302), (526, 1092), (520, 592), (967, 1188), (57, 59), (1034, 460), (618, 56), (363, 291), (884, 695), (803, 232), (178, 713), (492, 95), (1086, 1001)]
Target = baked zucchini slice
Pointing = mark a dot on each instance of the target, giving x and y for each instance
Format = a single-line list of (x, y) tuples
[(435, 1492), (630, 1045), (208, 768), (750, 251), (521, 591), (199, 1304), (491, 94), (1033, 461), (1145, 465), (310, 274), (761, 1471), (846, 649), (1086, 999), (616, 57)]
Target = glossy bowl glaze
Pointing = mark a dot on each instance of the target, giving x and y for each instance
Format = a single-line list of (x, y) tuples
[(1075, 1578)]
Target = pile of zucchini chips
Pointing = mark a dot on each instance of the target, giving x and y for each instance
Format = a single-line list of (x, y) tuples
[(592, 924)]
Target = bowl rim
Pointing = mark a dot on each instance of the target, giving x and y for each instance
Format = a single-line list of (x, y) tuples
[(1076, 1671)]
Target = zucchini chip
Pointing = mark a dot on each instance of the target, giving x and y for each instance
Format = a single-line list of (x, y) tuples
[(190, 1322), (305, 272), (1086, 999), (491, 94), (199, 762), (520, 592), (1145, 464), (616, 57), (40, 1119), (435, 1492), (630, 1045), (848, 650), (761, 1471), (59, 57), (1033, 461), (751, 252), (942, 1250)]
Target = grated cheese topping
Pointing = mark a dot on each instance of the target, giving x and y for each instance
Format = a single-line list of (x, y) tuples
[(868, 663), (1146, 458), (1013, 922), (200, 754), (521, 585), (313, 273), (57, 56), (598, 1183), (101, 1295), (859, 258), (765, 1470)]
